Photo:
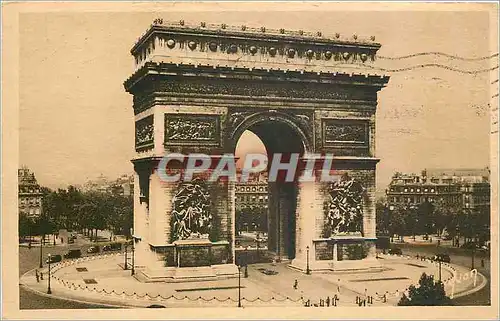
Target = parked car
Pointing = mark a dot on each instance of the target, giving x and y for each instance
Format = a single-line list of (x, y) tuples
[(54, 259), (470, 245), (443, 257), (112, 247), (73, 254), (396, 251), (116, 246), (93, 249)]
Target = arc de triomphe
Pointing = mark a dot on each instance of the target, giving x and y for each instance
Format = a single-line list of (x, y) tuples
[(196, 89)]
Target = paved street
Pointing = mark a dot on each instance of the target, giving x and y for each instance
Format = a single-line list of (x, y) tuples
[(259, 284), (267, 284), (30, 259), (461, 257)]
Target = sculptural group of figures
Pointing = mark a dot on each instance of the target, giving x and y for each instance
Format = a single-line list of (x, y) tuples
[(344, 210), (192, 214), (191, 210)]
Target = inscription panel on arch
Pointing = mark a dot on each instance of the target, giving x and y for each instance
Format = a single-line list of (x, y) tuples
[(192, 129), (353, 133)]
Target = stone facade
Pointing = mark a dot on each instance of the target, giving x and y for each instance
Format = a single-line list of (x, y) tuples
[(30, 195), (469, 189), (198, 88)]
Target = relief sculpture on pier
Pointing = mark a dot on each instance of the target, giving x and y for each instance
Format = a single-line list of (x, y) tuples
[(344, 209), (191, 213)]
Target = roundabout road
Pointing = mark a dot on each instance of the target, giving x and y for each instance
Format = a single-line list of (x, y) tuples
[(460, 257), (30, 259)]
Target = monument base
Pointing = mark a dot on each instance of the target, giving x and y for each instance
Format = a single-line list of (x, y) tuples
[(188, 260), (363, 265), (188, 274), (340, 253)]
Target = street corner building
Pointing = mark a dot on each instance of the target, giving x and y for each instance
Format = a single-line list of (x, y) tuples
[(196, 89), (30, 194)]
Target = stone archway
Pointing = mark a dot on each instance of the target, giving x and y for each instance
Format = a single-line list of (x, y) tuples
[(196, 89), (283, 133)]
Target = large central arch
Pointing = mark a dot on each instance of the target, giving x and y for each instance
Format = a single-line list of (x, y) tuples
[(196, 89), (280, 134)]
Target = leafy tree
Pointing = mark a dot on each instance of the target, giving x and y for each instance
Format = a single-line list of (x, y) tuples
[(383, 218), (411, 221), (25, 226), (425, 213), (398, 222), (428, 293)]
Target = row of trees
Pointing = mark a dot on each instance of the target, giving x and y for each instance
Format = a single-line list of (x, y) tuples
[(88, 212), (433, 218)]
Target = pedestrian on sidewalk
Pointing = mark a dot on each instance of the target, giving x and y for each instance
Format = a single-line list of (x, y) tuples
[(41, 276), (37, 276), (295, 284)]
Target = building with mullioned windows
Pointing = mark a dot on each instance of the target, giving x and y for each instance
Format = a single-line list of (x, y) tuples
[(469, 188), (30, 194)]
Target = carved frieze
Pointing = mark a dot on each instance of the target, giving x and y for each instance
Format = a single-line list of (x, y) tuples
[(144, 133), (345, 132), (188, 128), (344, 209), (252, 89)]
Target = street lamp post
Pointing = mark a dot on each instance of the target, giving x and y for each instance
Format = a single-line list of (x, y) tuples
[(239, 286), (307, 260), (258, 243), (439, 262), (133, 256), (41, 255), (49, 291), (473, 252), (246, 261), (125, 265)]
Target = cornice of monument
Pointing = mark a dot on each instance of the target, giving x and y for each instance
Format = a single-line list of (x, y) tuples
[(250, 33), (252, 50), (210, 73)]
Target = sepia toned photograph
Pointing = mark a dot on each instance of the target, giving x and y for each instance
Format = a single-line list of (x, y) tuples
[(250, 160)]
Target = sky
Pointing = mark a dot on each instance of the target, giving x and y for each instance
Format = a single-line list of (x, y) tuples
[(77, 121)]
